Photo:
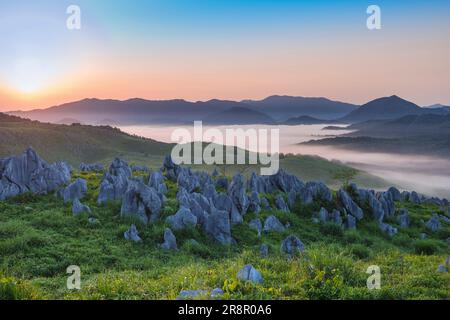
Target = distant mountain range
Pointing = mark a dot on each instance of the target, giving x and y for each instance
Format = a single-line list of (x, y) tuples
[(424, 134), (275, 109)]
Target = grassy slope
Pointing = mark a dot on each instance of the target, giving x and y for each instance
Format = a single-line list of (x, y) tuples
[(76, 143), (39, 239)]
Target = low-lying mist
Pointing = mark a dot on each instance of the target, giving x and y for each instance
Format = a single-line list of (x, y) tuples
[(427, 175)]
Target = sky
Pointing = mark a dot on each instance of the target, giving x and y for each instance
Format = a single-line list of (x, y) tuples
[(225, 49)]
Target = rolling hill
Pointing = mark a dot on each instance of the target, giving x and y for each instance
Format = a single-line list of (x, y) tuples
[(386, 108), (75, 143), (238, 116)]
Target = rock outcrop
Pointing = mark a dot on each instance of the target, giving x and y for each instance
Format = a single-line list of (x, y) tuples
[(79, 208), (132, 234), (292, 245), (272, 224), (29, 173), (141, 201), (75, 190), (182, 219), (434, 224), (249, 273), (349, 205), (94, 167), (115, 182), (170, 242)]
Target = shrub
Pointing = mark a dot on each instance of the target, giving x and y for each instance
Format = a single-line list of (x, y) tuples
[(426, 246), (360, 251), (331, 229)]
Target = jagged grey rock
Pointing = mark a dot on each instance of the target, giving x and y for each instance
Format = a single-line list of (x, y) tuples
[(115, 182), (78, 207), (141, 201), (264, 250), (350, 223), (387, 203), (335, 217), (350, 205), (443, 268), (222, 183), (280, 204), (272, 224), (265, 205), (172, 170), (254, 202), (395, 194), (292, 245), (403, 218), (320, 191), (132, 234), (29, 173), (217, 292), (209, 191), (218, 226), (238, 194), (191, 294), (157, 182), (223, 202), (94, 167), (434, 224), (170, 242), (249, 273), (75, 190), (388, 229), (256, 225), (182, 219), (323, 215), (414, 198), (188, 180)]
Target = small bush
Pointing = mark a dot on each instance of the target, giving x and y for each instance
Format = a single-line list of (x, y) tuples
[(426, 246), (360, 251), (332, 229)]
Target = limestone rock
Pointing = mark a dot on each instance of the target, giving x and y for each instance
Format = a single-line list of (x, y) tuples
[(75, 190), (403, 218), (29, 173), (272, 224), (292, 245), (434, 224), (218, 226), (94, 167), (280, 204), (182, 219), (256, 225), (170, 242), (249, 273), (115, 182), (350, 205), (132, 234), (78, 207), (388, 229), (141, 201)]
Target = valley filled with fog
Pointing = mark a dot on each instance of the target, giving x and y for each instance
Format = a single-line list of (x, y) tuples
[(424, 174)]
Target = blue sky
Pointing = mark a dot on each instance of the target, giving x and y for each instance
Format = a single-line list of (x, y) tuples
[(188, 44)]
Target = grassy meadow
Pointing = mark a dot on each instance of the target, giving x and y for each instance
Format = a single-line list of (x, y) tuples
[(39, 239)]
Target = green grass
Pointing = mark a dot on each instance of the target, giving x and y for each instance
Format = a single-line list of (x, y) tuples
[(39, 239)]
